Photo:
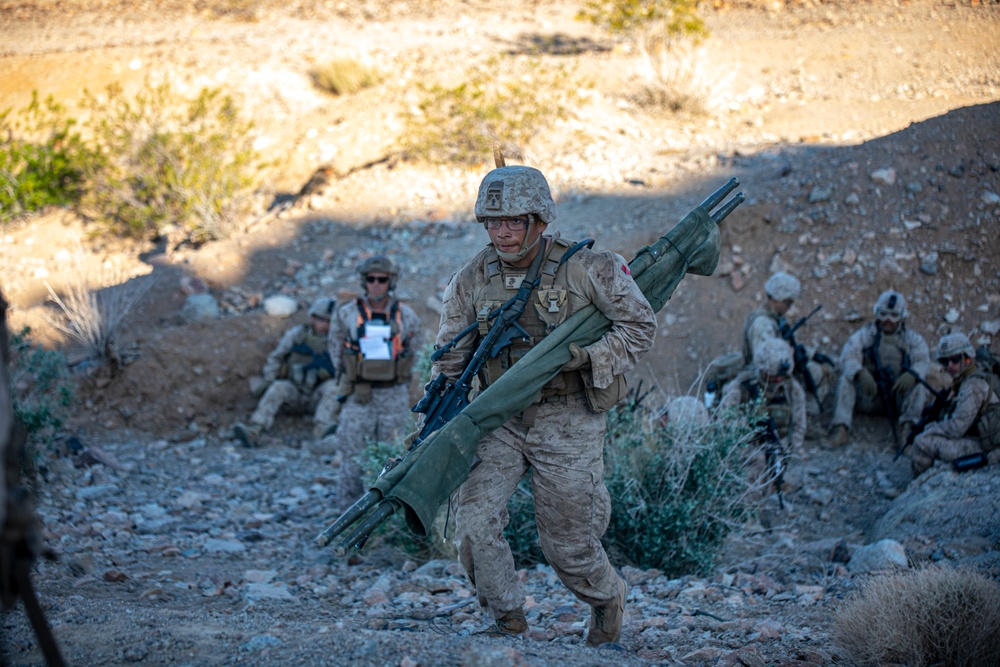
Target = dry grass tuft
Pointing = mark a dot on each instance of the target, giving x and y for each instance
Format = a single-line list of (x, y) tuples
[(935, 616), (345, 76)]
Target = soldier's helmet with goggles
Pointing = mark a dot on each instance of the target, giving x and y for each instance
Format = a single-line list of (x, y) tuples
[(512, 192), (890, 306), (954, 344), (322, 308), (378, 264), (783, 286), (774, 358)]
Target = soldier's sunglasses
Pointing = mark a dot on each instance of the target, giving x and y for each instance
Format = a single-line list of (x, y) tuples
[(953, 359), (513, 224), (377, 279), (887, 315)]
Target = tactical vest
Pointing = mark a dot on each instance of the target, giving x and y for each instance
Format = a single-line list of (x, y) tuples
[(382, 371), (891, 352), (756, 314), (778, 405), (550, 309)]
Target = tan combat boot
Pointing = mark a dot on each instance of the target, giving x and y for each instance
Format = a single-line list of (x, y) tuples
[(248, 435), (606, 619), (838, 437), (510, 624)]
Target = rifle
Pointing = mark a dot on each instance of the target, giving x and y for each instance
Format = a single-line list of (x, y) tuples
[(443, 400), (931, 413), (800, 355), (319, 362), (884, 383), (773, 455)]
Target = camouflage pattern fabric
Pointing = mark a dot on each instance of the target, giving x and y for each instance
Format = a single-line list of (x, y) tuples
[(893, 349), (565, 449), (384, 418), (949, 438)]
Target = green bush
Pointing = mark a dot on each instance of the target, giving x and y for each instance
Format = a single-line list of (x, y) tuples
[(678, 491), (344, 76), (934, 616), (170, 164), (40, 390), (504, 101), (42, 159)]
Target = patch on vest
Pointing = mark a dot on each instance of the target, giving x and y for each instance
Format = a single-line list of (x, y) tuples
[(513, 280)]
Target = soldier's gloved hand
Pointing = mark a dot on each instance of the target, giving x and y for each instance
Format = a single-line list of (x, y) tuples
[(258, 386), (411, 439), (903, 384), (866, 382), (580, 359)]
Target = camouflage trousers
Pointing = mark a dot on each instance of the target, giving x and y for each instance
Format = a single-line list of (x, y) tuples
[(321, 403), (565, 451), (385, 417), (927, 447), (850, 396)]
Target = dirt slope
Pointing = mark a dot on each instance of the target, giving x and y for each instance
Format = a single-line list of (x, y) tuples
[(195, 551)]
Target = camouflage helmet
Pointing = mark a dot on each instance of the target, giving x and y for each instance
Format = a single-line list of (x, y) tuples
[(890, 306), (378, 264), (686, 410), (782, 286), (322, 308), (509, 192), (954, 343), (774, 358)]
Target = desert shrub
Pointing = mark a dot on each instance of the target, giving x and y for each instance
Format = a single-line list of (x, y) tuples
[(40, 390), (170, 161), (666, 34), (503, 101), (344, 76), (933, 616), (677, 491), (96, 306), (42, 158)]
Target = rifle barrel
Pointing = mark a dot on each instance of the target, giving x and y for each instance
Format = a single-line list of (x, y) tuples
[(720, 194), (364, 530), (353, 513), (728, 208)]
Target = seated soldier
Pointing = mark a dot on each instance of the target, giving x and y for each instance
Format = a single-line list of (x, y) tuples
[(970, 422), (768, 383), (882, 349), (298, 378)]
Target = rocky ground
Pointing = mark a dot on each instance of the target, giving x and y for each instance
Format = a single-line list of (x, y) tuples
[(865, 136)]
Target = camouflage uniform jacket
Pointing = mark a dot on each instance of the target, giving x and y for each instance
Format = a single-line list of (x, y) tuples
[(970, 392), (762, 324), (277, 365), (894, 348), (588, 277)]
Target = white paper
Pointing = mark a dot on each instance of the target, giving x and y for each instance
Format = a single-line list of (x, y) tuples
[(375, 343)]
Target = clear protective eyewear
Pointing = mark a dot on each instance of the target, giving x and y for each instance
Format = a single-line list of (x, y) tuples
[(513, 224)]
